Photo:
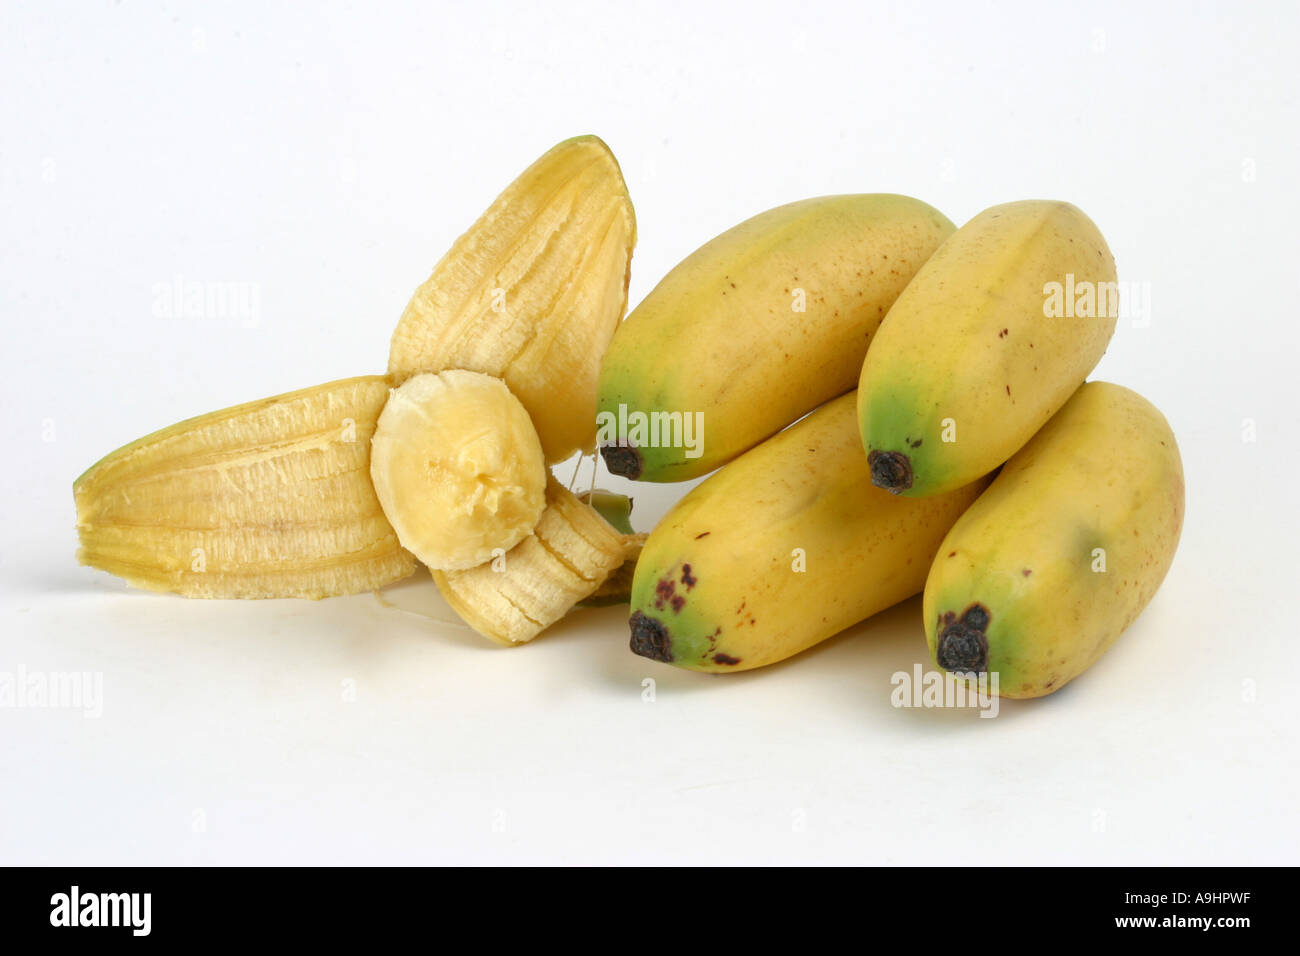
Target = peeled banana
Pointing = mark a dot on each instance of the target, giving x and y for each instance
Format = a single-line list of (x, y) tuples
[(1064, 550), (532, 292), (974, 358), (782, 548), (754, 329), (566, 558), (264, 500), (458, 468)]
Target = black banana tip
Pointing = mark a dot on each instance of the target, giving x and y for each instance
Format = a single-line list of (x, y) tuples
[(650, 638), (622, 460), (963, 647), (890, 470)]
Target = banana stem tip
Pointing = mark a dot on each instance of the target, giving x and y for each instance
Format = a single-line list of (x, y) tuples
[(890, 470), (963, 647), (650, 638), (622, 460)]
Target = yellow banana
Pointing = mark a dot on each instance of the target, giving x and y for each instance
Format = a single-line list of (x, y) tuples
[(754, 329), (263, 500), (518, 594), (1064, 550), (458, 468), (782, 548), (972, 359), (532, 292)]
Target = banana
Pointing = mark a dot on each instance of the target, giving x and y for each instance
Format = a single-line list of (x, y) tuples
[(1064, 550), (458, 468), (754, 329), (532, 292), (566, 558), (264, 500), (993, 335), (782, 548)]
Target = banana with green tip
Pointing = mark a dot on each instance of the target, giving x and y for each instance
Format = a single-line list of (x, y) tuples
[(996, 331), (1064, 550), (782, 548), (754, 329)]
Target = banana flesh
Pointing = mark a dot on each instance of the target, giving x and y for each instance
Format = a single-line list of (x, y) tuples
[(458, 468)]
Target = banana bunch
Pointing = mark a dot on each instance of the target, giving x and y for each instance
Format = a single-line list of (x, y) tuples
[(341, 488), (979, 347), (854, 367)]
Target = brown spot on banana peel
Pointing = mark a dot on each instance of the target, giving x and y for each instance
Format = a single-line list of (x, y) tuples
[(963, 646), (890, 470), (726, 659), (666, 595), (623, 460), (650, 638)]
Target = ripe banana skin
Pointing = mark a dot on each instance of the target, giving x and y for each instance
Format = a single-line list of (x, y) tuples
[(532, 292), (1068, 545), (968, 364), (264, 500), (718, 586), (567, 557), (458, 468), (756, 328)]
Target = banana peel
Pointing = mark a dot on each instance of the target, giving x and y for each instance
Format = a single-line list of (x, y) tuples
[(274, 498), (533, 292), (267, 499), (568, 556)]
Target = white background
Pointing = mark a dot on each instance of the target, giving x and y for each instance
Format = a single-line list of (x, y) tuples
[(330, 155)]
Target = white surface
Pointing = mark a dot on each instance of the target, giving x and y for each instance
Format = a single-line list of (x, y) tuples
[(331, 156)]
